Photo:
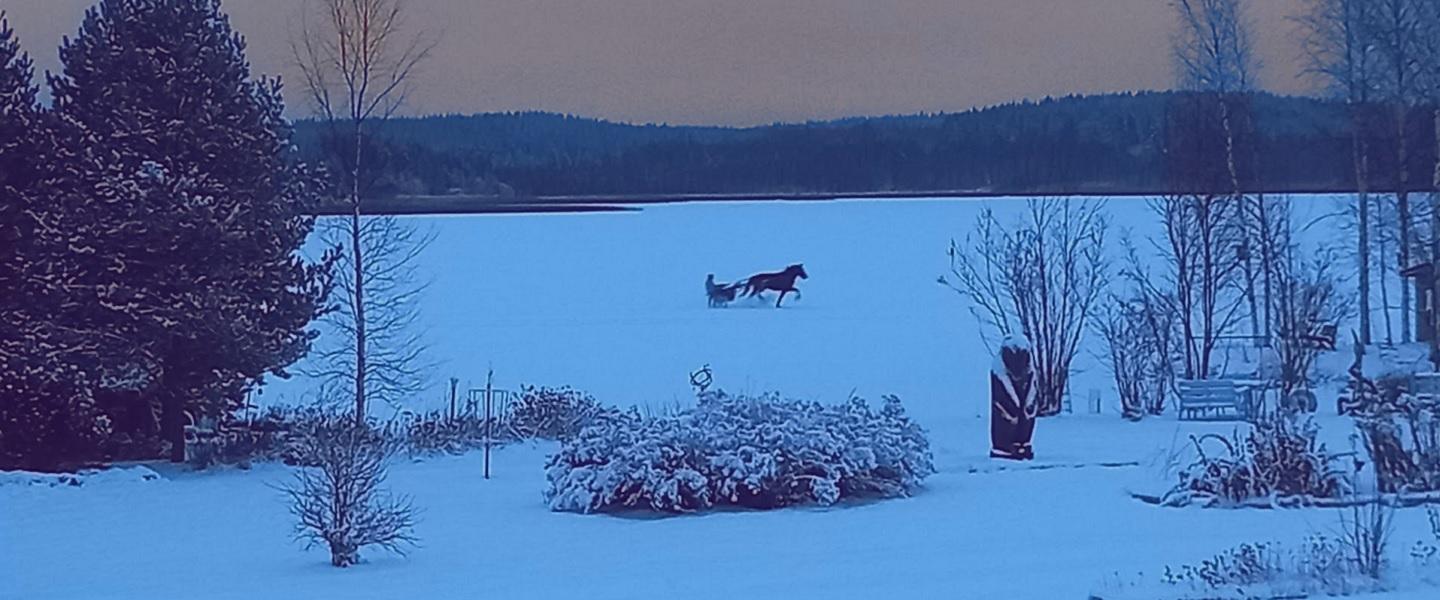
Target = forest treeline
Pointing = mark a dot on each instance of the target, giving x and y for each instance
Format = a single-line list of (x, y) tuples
[(1105, 143)]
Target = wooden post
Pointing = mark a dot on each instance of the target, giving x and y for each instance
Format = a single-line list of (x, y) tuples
[(489, 389), (454, 381)]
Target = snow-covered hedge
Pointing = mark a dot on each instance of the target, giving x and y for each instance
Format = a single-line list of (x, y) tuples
[(761, 452), (278, 434), (552, 413)]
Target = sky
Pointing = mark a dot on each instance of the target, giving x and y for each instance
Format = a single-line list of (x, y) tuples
[(747, 62)]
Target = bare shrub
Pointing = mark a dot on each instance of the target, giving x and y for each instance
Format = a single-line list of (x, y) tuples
[(1160, 315), (1132, 356), (340, 501), (1365, 533), (1306, 296), (1039, 278)]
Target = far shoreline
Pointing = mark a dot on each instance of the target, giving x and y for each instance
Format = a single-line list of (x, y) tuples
[(603, 203)]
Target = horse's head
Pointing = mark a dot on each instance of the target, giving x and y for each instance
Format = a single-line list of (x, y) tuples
[(798, 271)]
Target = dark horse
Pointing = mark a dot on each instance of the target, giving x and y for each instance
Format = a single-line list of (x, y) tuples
[(783, 282)]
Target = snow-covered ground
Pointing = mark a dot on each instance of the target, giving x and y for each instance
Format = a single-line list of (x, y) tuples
[(975, 532), (614, 304)]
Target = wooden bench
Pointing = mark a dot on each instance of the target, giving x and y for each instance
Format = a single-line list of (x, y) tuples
[(1212, 400)]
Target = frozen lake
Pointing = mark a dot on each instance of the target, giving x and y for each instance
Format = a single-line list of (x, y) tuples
[(614, 304)]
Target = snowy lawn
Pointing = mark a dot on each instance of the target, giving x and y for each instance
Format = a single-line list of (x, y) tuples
[(967, 535), (613, 304)]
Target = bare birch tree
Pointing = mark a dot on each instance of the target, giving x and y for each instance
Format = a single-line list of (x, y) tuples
[(1040, 278), (1220, 241), (1213, 48), (395, 366), (1200, 236), (1215, 60), (1341, 57), (1395, 33), (1428, 18), (357, 64), (1214, 54)]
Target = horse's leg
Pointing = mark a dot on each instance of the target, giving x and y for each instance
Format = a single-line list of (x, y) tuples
[(781, 298)]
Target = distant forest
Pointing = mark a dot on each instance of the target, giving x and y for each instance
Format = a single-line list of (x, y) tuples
[(1092, 144)]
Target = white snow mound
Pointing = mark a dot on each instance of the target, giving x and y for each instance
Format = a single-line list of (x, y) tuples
[(89, 477)]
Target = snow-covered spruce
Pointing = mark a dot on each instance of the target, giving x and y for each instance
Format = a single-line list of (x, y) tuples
[(761, 452)]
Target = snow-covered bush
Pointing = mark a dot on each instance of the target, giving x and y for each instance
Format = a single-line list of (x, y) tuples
[(340, 502), (761, 452), (436, 433), (1244, 565), (1351, 561), (1325, 567), (552, 413), (278, 433), (1322, 564), (1279, 458)]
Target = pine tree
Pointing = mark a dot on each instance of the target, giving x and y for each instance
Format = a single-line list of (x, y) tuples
[(187, 217), (18, 111), (46, 412)]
